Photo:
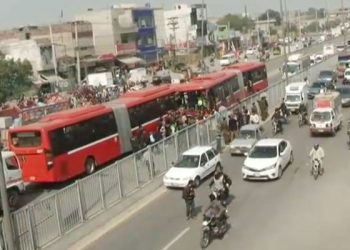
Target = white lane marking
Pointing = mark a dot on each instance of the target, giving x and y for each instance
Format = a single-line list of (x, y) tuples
[(176, 238)]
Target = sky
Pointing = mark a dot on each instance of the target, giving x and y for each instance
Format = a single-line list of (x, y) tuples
[(14, 13)]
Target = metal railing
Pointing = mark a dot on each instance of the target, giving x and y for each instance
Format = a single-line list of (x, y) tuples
[(42, 222)]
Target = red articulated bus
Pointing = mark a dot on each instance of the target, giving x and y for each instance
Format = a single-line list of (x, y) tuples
[(67, 144), (255, 73), (223, 88)]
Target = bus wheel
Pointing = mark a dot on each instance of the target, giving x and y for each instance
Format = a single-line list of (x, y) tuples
[(90, 165), (13, 198)]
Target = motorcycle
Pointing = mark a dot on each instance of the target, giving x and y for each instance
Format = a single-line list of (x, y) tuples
[(277, 127), (220, 195), (302, 119), (212, 228), (316, 168)]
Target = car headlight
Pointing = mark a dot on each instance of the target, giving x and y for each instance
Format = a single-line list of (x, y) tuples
[(270, 167)]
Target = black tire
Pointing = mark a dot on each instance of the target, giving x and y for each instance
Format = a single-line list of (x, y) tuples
[(90, 165), (197, 181), (13, 198), (315, 174), (205, 240)]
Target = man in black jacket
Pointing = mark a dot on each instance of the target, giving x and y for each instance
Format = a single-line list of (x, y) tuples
[(188, 195)]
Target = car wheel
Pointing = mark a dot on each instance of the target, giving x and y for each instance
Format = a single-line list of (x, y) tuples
[(13, 198), (90, 165), (197, 181), (291, 158), (279, 172)]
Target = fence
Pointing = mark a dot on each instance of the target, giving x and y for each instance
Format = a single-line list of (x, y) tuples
[(42, 222)]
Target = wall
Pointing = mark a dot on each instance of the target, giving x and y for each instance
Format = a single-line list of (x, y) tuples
[(160, 23), (39, 56)]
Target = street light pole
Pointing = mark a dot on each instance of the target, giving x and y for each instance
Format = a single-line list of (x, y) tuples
[(343, 22), (284, 42), (7, 226), (202, 36)]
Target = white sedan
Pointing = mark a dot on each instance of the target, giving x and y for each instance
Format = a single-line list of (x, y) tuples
[(267, 159), (195, 164)]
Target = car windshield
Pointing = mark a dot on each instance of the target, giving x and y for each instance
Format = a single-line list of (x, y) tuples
[(246, 134), (292, 68), (347, 73), (188, 161), (320, 116), (263, 152), (292, 98), (325, 74), (318, 85)]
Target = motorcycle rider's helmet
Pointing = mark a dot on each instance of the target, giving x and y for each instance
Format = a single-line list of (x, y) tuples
[(217, 174), (316, 146), (212, 197)]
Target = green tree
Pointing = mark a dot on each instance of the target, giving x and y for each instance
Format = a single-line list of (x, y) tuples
[(312, 27), (14, 78), (237, 22), (272, 15)]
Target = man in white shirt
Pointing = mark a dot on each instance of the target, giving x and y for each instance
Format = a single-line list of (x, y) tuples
[(254, 118)]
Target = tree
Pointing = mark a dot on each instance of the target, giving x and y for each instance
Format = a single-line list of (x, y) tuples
[(14, 78), (272, 15), (312, 27), (237, 22)]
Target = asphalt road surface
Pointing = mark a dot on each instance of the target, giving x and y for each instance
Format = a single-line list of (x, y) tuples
[(295, 212)]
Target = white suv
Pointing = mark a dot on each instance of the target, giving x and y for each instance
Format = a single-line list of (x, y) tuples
[(195, 164)]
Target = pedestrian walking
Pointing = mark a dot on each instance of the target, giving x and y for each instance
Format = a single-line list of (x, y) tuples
[(188, 195)]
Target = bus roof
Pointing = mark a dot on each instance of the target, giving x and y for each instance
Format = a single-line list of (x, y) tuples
[(136, 98), (65, 118), (244, 67), (206, 81)]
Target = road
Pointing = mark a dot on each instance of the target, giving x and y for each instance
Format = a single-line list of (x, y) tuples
[(38, 192), (294, 212)]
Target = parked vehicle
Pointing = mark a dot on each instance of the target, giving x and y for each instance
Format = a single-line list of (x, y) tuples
[(326, 116), (195, 164), (246, 139), (13, 177), (296, 95), (227, 59), (328, 76), (345, 95), (268, 159)]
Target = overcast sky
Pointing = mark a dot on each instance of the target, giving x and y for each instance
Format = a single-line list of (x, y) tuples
[(25, 12)]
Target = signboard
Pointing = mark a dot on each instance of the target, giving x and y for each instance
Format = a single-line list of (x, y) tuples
[(125, 49)]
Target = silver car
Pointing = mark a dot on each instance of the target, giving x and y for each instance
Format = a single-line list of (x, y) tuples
[(247, 137)]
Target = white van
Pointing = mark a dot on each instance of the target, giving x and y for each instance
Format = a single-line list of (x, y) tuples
[(13, 176), (328, 50), (296, 94), (227, 59)]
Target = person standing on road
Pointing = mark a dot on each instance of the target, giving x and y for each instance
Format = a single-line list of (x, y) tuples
[(188, 195)]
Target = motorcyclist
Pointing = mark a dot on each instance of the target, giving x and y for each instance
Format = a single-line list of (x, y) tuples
[(220, 185), (216, 210), (317, 153), (277, 118), (303, 111), (284, 108)]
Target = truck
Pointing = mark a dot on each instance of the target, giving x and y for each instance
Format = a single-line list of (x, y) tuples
[(100, 79), (296, 63), (296, 95), (326, 116)]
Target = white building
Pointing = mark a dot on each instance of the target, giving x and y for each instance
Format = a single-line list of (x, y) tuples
[(37, 52), (186, 31)]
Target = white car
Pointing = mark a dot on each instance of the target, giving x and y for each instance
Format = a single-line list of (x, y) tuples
[(195, 164), (328, 50), (227, 59), (251, 51), (267, 159)]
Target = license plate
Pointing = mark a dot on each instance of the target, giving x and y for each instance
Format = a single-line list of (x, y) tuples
[(256, 174), (320, 130), (237, 151)]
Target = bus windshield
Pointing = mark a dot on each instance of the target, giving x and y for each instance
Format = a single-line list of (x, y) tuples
[(26, 139)]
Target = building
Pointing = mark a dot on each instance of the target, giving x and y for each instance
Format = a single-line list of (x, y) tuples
[(114, 32), (183, 26), (146, 33)]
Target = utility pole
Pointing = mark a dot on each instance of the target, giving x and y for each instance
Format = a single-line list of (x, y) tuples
[(77, 52), (284, 42), (7, 223), (54, 59), (316, 20), (299, 23), (343, 22), (202, 35), (286, 12), (268, 24), (174, 25)]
